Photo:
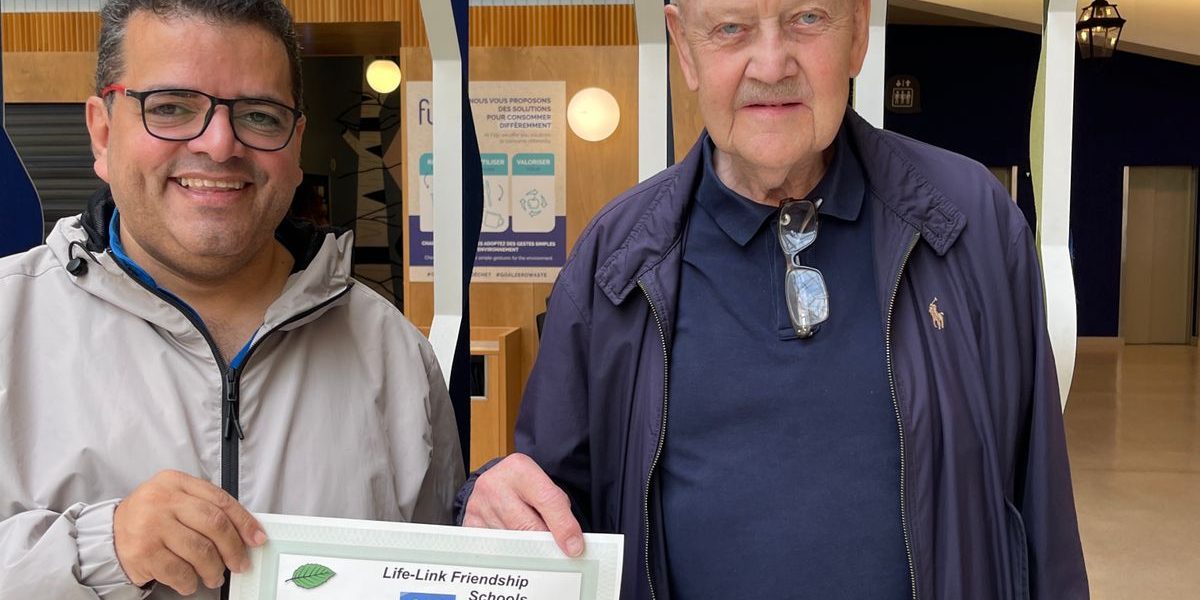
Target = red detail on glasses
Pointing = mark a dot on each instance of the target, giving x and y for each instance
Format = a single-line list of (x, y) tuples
[(116, 87)]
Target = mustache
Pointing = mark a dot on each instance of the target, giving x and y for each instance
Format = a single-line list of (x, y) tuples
[(785, 91)]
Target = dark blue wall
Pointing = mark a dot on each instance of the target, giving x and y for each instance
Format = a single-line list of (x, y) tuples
[(1131, 110), (977, 89)]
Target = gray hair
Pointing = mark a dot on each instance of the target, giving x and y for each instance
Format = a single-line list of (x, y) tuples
[(271, 15)]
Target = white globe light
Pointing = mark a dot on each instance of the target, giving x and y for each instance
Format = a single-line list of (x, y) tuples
[(593, 114), (383, 76)]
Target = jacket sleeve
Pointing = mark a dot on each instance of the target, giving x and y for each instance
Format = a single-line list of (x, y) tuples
[(1043, 493), (445, 474), (66, 556), (552, 427)]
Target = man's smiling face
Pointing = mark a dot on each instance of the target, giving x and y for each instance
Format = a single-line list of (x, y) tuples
[(202, 208)]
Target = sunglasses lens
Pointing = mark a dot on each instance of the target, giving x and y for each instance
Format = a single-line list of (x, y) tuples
[(797, 225), (808, 299)]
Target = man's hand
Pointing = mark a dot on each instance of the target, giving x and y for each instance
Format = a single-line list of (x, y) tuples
[(174, 528), (516, 494)]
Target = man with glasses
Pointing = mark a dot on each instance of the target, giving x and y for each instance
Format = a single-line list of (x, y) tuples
[(180, 354), (809, 361)]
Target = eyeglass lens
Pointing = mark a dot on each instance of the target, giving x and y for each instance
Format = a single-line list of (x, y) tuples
[(807, 295), (181, 115), (807, 299), (797, 226)]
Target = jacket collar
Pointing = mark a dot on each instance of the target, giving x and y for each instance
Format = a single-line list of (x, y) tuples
[(320, 278), (891, 176), (903, 188), (658, 228)]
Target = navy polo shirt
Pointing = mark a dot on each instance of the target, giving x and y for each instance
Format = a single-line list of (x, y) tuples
[(780, 474)]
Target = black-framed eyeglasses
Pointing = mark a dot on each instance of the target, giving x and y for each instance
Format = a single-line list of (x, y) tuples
[(180, 115), (804, 287)]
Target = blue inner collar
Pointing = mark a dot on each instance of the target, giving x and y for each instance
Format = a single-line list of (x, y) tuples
[(118, 252)]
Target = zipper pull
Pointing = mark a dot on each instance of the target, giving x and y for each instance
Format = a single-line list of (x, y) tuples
[(233, 419)]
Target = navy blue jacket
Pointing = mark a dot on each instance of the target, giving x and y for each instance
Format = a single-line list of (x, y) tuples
[(986, 491)]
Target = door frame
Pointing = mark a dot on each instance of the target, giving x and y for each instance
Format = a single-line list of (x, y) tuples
[(1013, 183)]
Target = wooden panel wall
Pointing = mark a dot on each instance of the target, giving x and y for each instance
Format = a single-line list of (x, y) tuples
[(520, 26), (686, 121), (596, 171), (346, 11), (48, 76), (51, 32), (491, 26), (79, 31)]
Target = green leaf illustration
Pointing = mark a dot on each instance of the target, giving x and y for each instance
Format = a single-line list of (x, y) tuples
[(311, 575)]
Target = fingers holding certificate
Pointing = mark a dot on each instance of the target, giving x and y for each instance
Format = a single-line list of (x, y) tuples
[(517, 494), (315, 558)]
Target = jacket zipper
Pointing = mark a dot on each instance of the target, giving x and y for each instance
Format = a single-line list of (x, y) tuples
[(662, 436), (231, 421), (912, 571)]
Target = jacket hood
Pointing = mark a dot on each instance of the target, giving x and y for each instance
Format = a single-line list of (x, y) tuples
[(321, 271), (890, 164)]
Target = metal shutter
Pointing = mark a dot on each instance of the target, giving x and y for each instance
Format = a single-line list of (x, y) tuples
[(54, 145)]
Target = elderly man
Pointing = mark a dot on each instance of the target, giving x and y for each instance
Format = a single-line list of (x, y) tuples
[(180, 354), (809, 361)]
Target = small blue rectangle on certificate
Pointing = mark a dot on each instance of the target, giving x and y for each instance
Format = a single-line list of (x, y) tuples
[(425, 596)]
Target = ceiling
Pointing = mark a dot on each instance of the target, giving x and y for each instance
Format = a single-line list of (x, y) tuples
[(1163, 28)]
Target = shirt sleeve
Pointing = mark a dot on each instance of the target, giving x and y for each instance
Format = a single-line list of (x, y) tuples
[(66, 556)]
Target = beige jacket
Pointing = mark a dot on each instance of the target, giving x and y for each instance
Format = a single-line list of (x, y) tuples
[(103, 383)]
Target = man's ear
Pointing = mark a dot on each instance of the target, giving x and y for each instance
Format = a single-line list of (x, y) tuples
[(679, 38), (862, 31), (99, 125)]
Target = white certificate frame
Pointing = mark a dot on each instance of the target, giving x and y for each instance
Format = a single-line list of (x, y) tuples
[(411, 543)]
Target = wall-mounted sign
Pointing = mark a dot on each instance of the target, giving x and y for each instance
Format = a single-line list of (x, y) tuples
[(521, 127), (904, 94)]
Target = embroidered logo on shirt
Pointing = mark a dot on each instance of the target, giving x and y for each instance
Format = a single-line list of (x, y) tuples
[(939, 318)]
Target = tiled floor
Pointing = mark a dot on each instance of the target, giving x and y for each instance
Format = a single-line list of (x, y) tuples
[(1133, 427)]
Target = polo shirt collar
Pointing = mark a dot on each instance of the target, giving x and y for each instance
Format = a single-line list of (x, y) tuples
[(738, 216), (845, 183), (842, 187)]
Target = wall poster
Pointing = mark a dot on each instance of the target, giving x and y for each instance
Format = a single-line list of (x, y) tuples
[(521, 127)]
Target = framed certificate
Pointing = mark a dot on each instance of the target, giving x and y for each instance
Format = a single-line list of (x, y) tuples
[(312, 558)]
